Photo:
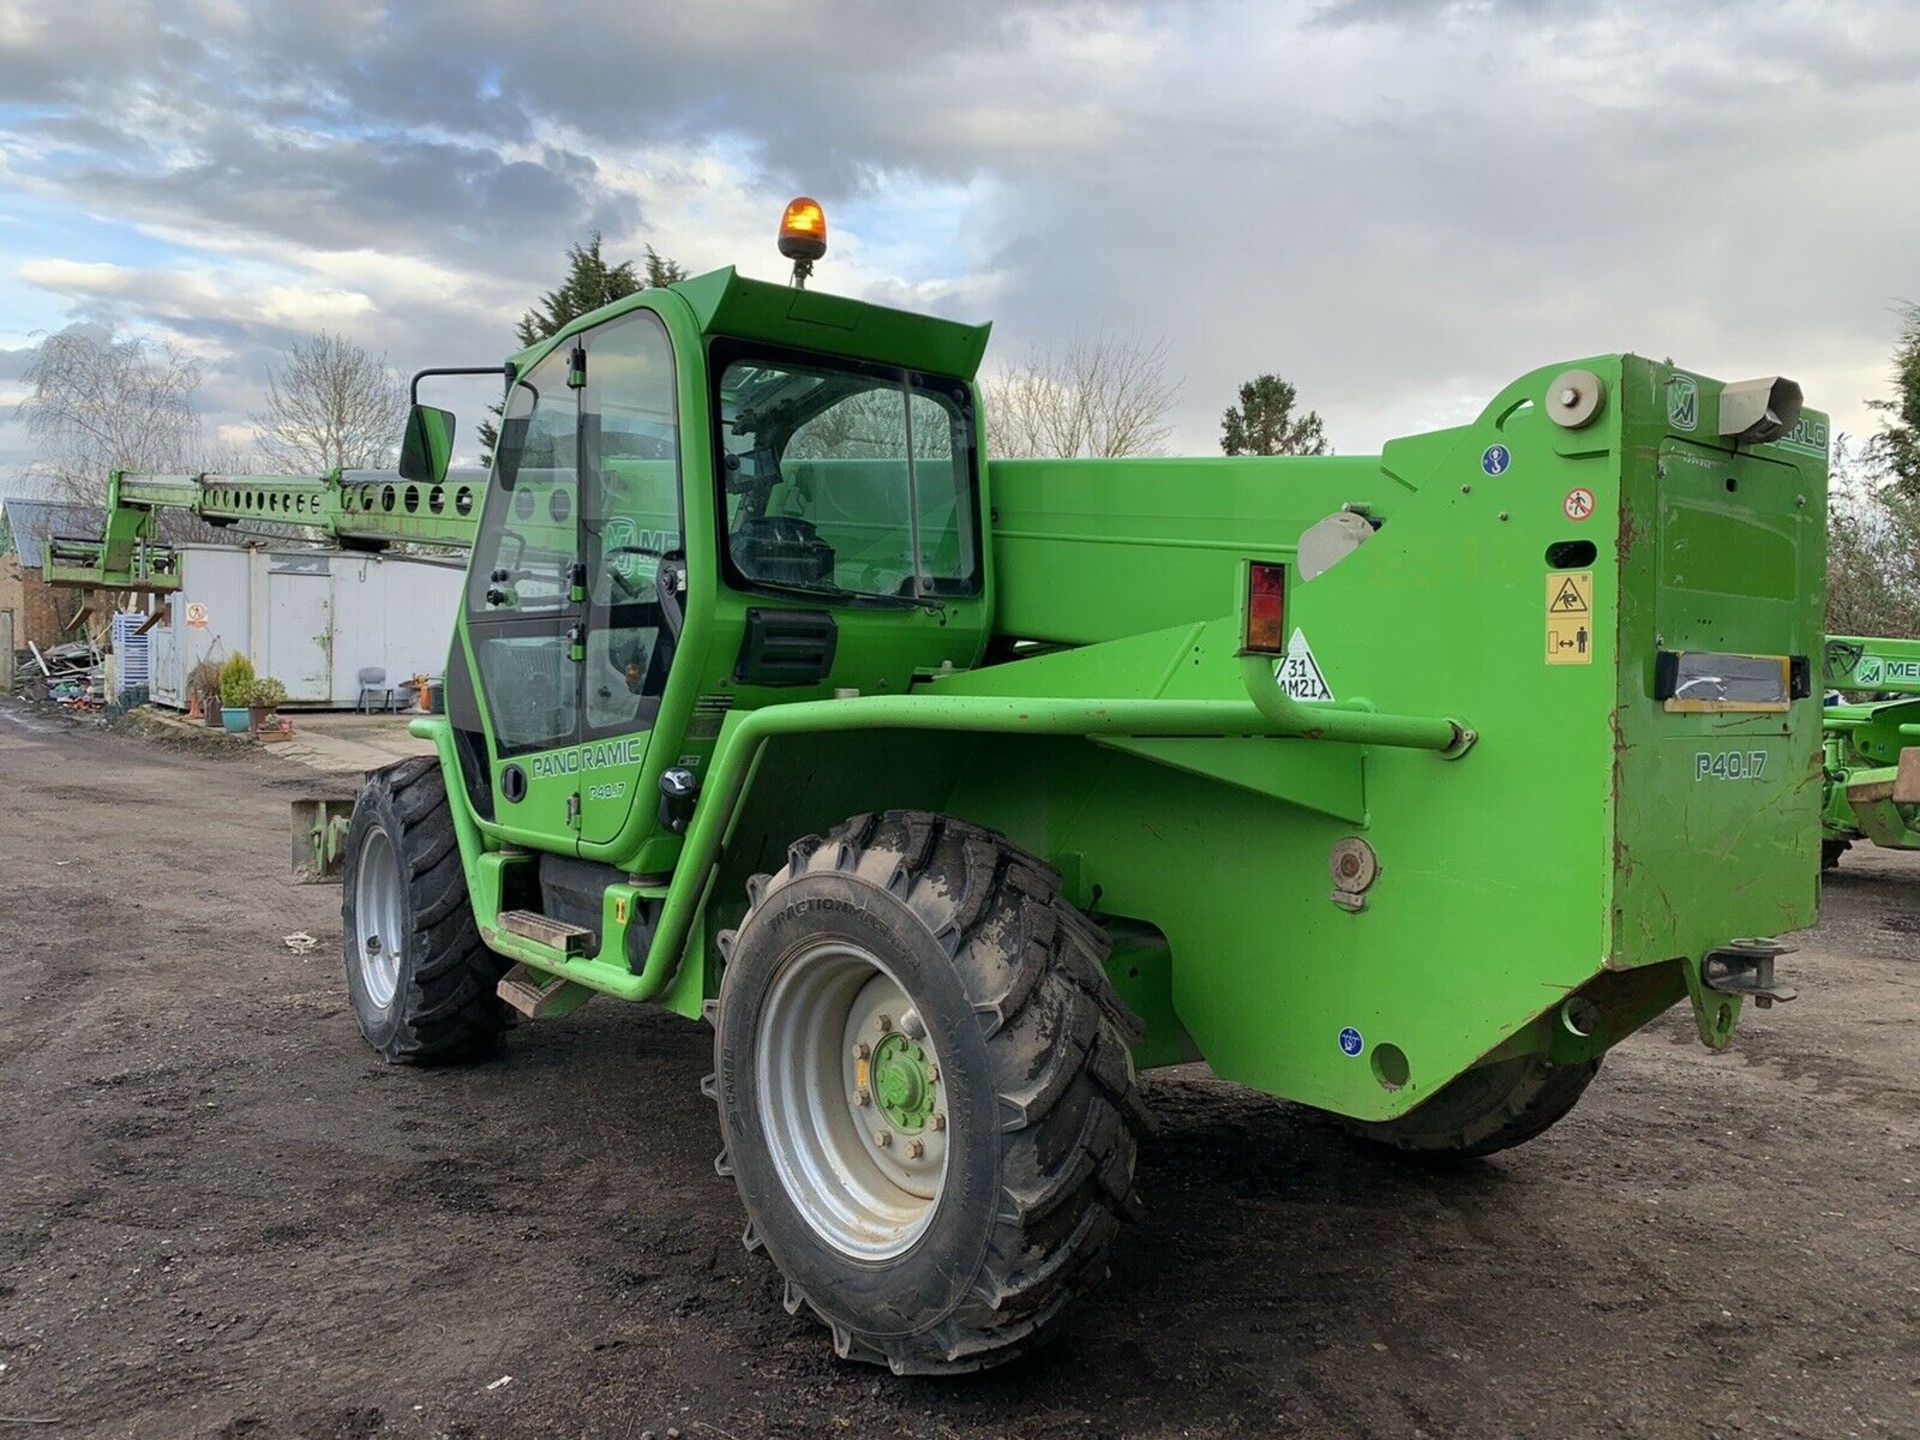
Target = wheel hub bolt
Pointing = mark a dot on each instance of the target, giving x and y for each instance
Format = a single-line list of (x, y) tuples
[(862, 1050), (933, 1074), (883, 1022), (915, 1149), (883, 1139), (939, 1121), (863, 1096)]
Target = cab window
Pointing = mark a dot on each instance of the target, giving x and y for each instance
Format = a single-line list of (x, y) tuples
[(845, 479)]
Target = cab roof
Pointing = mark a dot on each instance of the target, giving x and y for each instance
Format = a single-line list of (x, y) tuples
[(726, 303)]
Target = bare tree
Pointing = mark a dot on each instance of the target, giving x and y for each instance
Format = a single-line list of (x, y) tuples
[(331, 406), (102, 403), (1100, 397), (1873, 547)]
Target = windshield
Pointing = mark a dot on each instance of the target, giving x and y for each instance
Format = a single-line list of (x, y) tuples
[(847, 479)]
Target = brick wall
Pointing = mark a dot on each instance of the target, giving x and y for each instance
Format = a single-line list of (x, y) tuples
[(40, 612)]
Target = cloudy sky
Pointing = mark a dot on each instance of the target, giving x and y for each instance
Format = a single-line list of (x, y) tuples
[(1397, 204)]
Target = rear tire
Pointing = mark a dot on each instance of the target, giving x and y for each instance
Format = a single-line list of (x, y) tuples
[(1001, 1220), (421, 981), (1831, 851), (1488, 1109)]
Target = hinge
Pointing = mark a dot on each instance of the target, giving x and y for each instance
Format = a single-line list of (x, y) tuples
[(577, 368), (573, 809)]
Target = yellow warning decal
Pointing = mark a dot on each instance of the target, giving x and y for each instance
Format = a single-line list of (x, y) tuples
[(1570, 617)]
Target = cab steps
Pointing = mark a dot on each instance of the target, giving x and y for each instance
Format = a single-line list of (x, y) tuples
[(535, 994), (572, 941)]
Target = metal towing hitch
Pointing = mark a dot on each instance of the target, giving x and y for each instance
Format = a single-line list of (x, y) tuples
[(1745, 967)]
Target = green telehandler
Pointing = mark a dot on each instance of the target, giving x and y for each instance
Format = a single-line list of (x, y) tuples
[(955, 792), (1872, 746)]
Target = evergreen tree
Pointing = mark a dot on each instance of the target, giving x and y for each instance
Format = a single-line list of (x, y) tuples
[(1264, 423), (590, 283), (661, 271), (1897, 446)]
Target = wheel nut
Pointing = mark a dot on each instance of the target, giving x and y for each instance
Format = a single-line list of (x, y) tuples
[(933, 1074), (883, 1022), (938, 1122), (863, 1096), (915, 1149), (883, 1139), (862, 1050)]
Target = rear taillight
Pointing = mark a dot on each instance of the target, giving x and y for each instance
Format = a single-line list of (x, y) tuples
[(1266, 608)]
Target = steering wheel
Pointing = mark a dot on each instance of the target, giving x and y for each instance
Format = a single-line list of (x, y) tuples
[(619, 578)]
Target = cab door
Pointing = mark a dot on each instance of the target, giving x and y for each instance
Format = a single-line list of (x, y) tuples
[(631, 552), (523, 611)]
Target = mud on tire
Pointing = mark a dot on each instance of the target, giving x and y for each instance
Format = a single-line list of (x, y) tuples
[(1488, 1109), (1043, 1113), (436, 1000)]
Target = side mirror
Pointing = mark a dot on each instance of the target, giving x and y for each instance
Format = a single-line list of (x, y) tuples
[(426, 449)]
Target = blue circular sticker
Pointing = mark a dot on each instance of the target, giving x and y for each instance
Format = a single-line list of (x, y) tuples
[(1350, 1041), (1495, 460)]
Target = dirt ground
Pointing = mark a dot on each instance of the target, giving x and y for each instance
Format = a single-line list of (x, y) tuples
[(220, 1215)]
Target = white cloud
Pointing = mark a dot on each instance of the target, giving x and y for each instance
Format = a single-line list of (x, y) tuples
[(1399, 206)]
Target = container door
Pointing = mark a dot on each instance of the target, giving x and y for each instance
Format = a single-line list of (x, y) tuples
[(299, 648)]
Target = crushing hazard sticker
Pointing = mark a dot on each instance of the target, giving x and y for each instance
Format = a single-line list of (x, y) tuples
[(1570, 617)]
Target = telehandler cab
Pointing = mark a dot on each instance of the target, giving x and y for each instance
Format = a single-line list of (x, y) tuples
[(953, 792)]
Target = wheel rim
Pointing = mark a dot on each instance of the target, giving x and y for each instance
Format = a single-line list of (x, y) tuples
[(378, 916), (843, 1060)]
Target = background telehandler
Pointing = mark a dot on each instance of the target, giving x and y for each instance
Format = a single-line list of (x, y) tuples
[(1872, 746)]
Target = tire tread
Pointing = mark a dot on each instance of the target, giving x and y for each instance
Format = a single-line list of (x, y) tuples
[(451, 1010), (1059, 1041)]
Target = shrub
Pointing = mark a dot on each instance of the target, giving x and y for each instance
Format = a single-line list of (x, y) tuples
[(236, 682), (205, 682), (268, 692)]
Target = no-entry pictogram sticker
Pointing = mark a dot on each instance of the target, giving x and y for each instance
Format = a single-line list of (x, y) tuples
[(1579, 503)]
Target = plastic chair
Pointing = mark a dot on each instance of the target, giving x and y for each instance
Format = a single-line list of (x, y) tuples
[(373, 688)]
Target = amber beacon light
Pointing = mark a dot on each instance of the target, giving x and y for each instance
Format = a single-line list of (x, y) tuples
[(803, 236)]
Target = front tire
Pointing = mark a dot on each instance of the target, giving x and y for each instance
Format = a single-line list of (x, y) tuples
[(916, 977), (1488, 1109), (421, 981)]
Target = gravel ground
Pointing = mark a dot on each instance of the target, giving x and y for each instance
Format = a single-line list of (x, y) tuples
[(221, 1215)]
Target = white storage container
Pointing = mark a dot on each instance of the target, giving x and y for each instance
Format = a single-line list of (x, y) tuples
[(311, 619)]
